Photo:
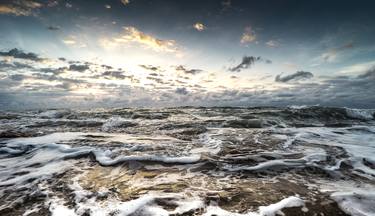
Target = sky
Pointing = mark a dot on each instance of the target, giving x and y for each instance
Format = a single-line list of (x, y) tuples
[(156, 53)]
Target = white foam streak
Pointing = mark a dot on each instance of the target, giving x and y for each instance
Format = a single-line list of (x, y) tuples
[(284, 163), (105, 160), (356, 203), (84, 202), (271, 210), (115, 122)]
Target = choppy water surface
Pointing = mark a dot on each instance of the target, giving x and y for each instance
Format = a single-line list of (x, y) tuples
[(188, 161)]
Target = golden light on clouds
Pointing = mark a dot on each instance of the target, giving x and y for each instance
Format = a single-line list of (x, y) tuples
[(125, 2), (72, 41), (19, 8), (69, 41), (199, 26), (248, 36), (133, 35), (4, 9)]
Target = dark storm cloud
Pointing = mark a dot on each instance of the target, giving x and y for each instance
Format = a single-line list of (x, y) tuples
[(4, 65), (53, 77), (268, 61), (150, 67), (108, 67), (180, 82), (181, 91), (16, 53), (30, 69), (154, 74), (370, 74), (247, 62), (299, 75), (114, 74), (226, 4), (157, 80), (78, 67), (17, 77), (52, 70), (188, 71), (53, 28)]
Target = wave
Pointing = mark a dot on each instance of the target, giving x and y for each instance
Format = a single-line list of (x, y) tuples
[(117, 122), (362, 114), (54, 113), (356, 202)]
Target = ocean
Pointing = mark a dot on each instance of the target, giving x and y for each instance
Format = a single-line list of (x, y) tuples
[(222, 161)]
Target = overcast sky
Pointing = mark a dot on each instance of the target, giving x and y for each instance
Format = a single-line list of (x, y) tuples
[(120, 53)]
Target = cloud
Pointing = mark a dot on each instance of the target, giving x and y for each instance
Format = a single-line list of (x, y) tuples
[(181, 91), (226, 4), (156, 79), (273, 44), (69, 41), (133, 35), (79, 68), (299, 75), (17, 77), (65, 85), (14, 66), (52, 3), (247, 61), (357, 68), (370, 74), (188, 71), (332, 54), (16, 53), (53, 70), (36, 85), (199, 26), (150, 67), (19, 7), (248, 36), (53, 28), (125, 2), (73, 41), (114, 74)]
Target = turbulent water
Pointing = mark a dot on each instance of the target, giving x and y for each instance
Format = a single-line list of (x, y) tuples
[(188, 161)]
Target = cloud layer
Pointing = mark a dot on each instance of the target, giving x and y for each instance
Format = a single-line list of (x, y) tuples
[(27, 83)]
